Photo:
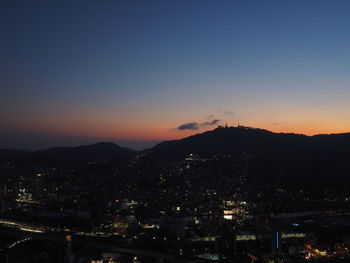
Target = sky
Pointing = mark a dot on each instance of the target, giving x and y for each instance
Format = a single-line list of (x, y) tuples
[(140, 72)]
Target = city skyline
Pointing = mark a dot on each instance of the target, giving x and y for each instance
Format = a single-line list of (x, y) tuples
[(137, 73)]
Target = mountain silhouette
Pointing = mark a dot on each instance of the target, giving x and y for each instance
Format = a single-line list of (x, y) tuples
[(12, 155), (230, 140), (313, 161), (304, 160), (98, 151)]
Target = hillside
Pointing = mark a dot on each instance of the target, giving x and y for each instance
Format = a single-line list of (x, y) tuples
[(98, 151), (300, 159)]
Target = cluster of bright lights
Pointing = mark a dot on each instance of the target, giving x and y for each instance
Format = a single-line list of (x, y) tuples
[(293, 235), (21, 227), (245, 237), (150, 226), (31, 229)]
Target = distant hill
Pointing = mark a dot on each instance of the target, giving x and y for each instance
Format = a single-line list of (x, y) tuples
[(12, 155), (299, 159), (98, 151), (230, 140), (102, 151), (310, 160)]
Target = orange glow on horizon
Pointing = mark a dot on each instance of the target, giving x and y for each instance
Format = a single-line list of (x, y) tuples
[(157, 130), (166, 133)]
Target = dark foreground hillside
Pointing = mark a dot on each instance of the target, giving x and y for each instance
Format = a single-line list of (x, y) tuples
[(315, 161)]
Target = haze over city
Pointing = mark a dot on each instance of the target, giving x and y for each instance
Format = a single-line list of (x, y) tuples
[(139, 72)]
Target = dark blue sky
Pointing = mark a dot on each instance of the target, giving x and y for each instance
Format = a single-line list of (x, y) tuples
[(130, 71)]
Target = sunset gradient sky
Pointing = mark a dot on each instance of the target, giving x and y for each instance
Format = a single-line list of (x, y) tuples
[(132, 72)]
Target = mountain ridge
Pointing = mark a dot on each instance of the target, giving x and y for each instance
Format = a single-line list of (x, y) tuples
[(311, 160), (227, 140), (100, 150)]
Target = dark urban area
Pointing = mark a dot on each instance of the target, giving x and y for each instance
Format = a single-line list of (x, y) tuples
[(233, 194)]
